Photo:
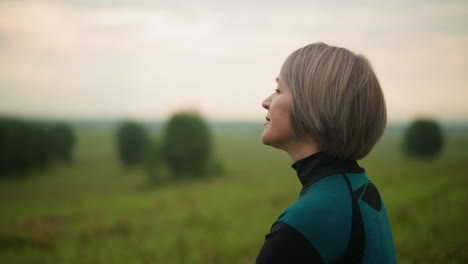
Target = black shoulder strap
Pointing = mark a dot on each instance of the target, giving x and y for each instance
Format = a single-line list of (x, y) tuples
[(356, 242)]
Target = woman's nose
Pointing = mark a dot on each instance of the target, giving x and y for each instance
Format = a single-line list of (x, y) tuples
[(266, 103)]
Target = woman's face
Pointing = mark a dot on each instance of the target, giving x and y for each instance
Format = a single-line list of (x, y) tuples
[(278, 131)]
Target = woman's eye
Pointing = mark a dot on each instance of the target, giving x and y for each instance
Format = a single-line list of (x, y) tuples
[(277, 91)]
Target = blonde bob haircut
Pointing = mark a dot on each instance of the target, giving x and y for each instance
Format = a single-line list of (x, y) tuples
[(336, 99)]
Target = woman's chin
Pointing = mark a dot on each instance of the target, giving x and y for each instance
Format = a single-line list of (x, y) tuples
[(264, 138), (268, 141)]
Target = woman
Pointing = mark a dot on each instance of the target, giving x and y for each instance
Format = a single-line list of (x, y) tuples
[(327, 112)]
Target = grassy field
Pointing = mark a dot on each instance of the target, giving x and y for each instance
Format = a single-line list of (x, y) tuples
[(94, 211)]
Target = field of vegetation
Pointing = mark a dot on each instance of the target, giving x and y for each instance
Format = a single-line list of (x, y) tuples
[(95, 211)]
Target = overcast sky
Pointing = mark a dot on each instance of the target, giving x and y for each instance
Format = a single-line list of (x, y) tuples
[(147, 59)]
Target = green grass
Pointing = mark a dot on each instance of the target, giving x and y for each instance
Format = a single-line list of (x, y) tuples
[(94, 211)]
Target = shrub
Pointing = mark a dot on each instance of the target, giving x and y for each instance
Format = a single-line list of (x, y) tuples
[(423, 139), (187, 144), (132, 143)]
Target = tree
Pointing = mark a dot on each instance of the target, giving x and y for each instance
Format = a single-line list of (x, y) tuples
[(39, 145), (187, 144), (19, 156), (7, 145), (62, 142), (23, 146), (423, 139), (132, 143), (26, 145)]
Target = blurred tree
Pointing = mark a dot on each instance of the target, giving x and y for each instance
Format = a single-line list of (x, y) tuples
[(6, 146), (62, 141), (19, 136), (37, 146), (423, 139), (132, 144), (22, 146), (25, 145), (187, 144)]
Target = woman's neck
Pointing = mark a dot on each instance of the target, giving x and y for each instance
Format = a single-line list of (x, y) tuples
[(301, 148)]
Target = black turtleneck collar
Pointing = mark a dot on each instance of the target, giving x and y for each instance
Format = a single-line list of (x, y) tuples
[(320, 164)]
